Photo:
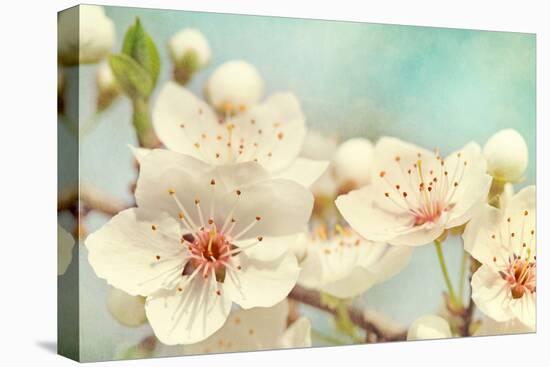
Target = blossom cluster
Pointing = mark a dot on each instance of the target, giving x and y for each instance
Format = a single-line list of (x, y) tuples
[(242, 202)]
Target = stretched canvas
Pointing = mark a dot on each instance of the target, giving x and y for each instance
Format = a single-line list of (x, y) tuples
[(234, 183)]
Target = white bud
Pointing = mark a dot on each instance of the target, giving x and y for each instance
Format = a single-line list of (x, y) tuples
[(507, 155), (351, 165), (234, 87), (318, 145), (96, 30), (429, 327), (126, 309), (189, 46), (107, 86), (65, 244)]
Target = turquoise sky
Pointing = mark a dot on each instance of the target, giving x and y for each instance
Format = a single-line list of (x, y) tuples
[(431, 86)]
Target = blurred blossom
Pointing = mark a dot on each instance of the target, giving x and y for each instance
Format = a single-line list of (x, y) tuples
[(107, 86), (503, 241), (126, 309), (507, 156), (256, 329), (190, 52), (415, 194), (345, 265), (201, 238), (96, 30), (318, 145), (352, 163), (234, 87), (429, 327), (270, 133), (491, 327), (65, 244)]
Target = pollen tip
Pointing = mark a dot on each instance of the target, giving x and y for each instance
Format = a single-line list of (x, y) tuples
[(157, 257), (238, 192), (258, 218), (153, 227), (382, 173), (171, 191), (197, 145), (260, 238), (212, 182), (197, 201)]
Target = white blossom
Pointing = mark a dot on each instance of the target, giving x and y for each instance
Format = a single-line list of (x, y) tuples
[(65, 245), (270, 133), (345, 265), (352, 163), (507, 155), (234, 86), (415, 194), (429, 327), (91, 41), (256, 329), (189, 43), (503, 241), (127, 309), (200, 239)]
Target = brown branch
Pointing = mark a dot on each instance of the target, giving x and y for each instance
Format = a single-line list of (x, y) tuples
[(360, 318), (90, 199)]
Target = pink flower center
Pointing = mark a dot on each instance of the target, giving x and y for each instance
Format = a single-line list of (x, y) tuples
[(521, 276), (424, 192)]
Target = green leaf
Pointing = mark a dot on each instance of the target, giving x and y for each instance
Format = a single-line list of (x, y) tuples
[(140, 47), (132, 77)]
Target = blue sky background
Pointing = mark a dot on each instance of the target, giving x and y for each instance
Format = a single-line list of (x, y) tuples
[(431, 86)]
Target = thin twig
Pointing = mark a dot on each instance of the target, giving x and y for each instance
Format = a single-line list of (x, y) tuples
[(358, 317)]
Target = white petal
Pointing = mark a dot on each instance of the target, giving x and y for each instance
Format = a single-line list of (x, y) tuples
[(190, 315), (124, 251), (126, 309), (298, 335), (491, 294), (394, 259), (478, 234), (275, 207), (180, 119), (283, 130), (261, 283), (269, 248), (524, 308), (246, 330), (473, 183), (65, 244), (375, 217), (304, 171), (429, 327), (139, 153)]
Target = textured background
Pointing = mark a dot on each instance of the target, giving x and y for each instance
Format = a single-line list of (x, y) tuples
[(435, 87)]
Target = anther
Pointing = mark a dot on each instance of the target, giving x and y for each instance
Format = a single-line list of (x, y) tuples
[(238, 192), (157, 257), (210, 221), (382, 173), (405, 194), (171, 191), (212, 182), (260, 238), (397, 158), (258, 218), (197, 145), (197, 201), (153, 227)]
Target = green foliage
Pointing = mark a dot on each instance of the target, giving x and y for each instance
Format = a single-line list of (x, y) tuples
[(139, 46), (133, 79), (137, 67)]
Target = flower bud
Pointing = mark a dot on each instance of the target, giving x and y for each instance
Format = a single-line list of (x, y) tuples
[(351, 165), (96, 35), (107, 86), (126, 309), (189, 51), (234, 86), (429, 327), (507, 156)]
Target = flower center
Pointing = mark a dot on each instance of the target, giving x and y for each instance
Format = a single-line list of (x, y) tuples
[(521, 276), (424, 192), (212, 251), (516, 239)]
